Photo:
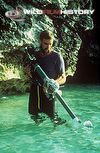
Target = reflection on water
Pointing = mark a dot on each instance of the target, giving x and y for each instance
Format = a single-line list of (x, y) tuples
[(18, 133)]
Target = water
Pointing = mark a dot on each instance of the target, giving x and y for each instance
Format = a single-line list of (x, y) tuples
[(19, 134)]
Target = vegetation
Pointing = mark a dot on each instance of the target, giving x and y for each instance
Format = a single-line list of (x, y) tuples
[(15, 36)]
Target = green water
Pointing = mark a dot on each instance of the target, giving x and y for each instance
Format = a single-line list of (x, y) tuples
[(19, 134)]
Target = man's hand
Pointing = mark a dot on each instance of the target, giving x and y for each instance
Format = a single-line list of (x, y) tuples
[(50, 86)]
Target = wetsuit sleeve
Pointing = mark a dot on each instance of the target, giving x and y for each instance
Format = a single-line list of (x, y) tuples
[(60, 65)]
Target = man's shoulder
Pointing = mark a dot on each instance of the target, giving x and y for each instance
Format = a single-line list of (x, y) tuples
[(55, 53)]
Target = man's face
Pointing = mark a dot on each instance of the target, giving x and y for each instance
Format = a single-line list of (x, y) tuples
[(46, 44)]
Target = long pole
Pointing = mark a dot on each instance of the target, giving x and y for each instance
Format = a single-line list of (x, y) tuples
[(67, 108)]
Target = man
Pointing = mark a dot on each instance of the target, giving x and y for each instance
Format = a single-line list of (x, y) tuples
[(52, 64)]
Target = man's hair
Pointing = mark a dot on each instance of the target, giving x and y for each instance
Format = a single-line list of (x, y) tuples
[(46, 35)]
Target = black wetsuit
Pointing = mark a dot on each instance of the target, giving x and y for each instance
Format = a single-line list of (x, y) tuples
[(53, 65)]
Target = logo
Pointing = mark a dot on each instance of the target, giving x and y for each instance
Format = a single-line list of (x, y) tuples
[(17, 14)]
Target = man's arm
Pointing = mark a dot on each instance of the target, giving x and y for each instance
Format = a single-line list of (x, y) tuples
[(27, 70), (61, 79)]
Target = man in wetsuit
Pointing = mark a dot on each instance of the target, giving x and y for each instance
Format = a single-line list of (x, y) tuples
[(52, 64)]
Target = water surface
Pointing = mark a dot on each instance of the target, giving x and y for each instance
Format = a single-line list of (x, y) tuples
[(19, 134)]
